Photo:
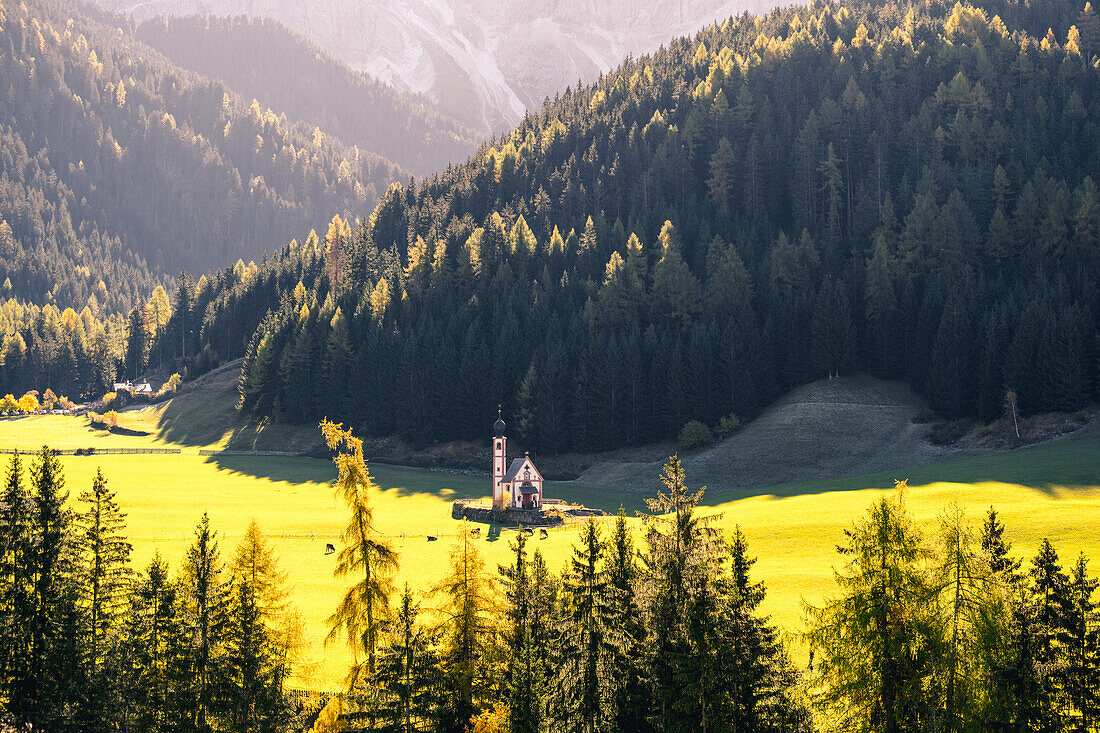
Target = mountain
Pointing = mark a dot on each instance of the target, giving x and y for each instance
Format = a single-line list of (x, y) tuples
[(119, 166), (264, 60), (484, 63), (818, 191)]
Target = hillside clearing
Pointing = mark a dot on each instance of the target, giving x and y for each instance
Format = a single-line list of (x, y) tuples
[(838, 427)]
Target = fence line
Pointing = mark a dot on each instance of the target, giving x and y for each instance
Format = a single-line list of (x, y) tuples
[(97, 451), (209, 452)]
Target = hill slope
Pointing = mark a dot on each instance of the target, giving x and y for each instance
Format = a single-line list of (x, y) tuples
[(117, 166), (815, 192), (823, 430), (263, 60)]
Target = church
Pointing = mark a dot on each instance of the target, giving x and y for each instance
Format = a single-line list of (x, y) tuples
[(518, 487)]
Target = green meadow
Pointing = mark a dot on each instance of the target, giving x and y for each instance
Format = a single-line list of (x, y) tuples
[(1051, 490)]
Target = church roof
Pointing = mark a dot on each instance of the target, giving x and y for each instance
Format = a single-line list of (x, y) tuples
[(528, 489), (517, 466)]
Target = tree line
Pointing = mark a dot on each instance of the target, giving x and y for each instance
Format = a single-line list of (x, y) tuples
[(88, 643), (947, 631)]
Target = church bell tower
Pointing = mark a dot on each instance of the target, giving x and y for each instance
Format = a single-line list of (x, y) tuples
[(500, 460)]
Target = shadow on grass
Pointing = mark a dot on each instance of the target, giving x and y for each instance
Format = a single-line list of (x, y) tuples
[(1070, 463), (290, 469), (206, 413)]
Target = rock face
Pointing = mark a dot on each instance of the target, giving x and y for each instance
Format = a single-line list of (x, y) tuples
[(482, 61)]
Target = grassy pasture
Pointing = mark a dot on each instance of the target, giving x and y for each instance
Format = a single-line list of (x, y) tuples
[(1049, 490)]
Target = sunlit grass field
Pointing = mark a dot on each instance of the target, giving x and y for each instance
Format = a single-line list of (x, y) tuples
[(1051, 490)]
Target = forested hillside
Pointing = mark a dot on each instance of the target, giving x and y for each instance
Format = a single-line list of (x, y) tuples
[(262, 59), (117, 167), (907, 192)]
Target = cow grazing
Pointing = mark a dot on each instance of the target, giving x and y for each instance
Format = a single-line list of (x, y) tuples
[(432, 539), (329, 549), (542, 534)]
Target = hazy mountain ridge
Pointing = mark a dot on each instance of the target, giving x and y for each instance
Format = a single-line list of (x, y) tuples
[(263, 59), (482, 62), (118, 167)]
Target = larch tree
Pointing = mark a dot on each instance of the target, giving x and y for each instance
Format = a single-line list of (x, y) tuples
[(255, 563), (366, 556), (872, 643)]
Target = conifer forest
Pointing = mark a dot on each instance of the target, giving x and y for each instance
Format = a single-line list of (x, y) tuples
[(905, 189)]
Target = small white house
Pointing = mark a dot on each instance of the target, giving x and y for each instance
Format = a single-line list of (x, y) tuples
[(135, 387), (518, 487)]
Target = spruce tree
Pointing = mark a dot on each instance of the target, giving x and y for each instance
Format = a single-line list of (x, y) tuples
[(44, 696), (679, 546), (105, 558), (524, 673), (408, 672), (105, 581), (1082, 673), (628, 705), (254, 668), (16, 590), (589, 643), (154, 647), (205, 597), (1050, 609)]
